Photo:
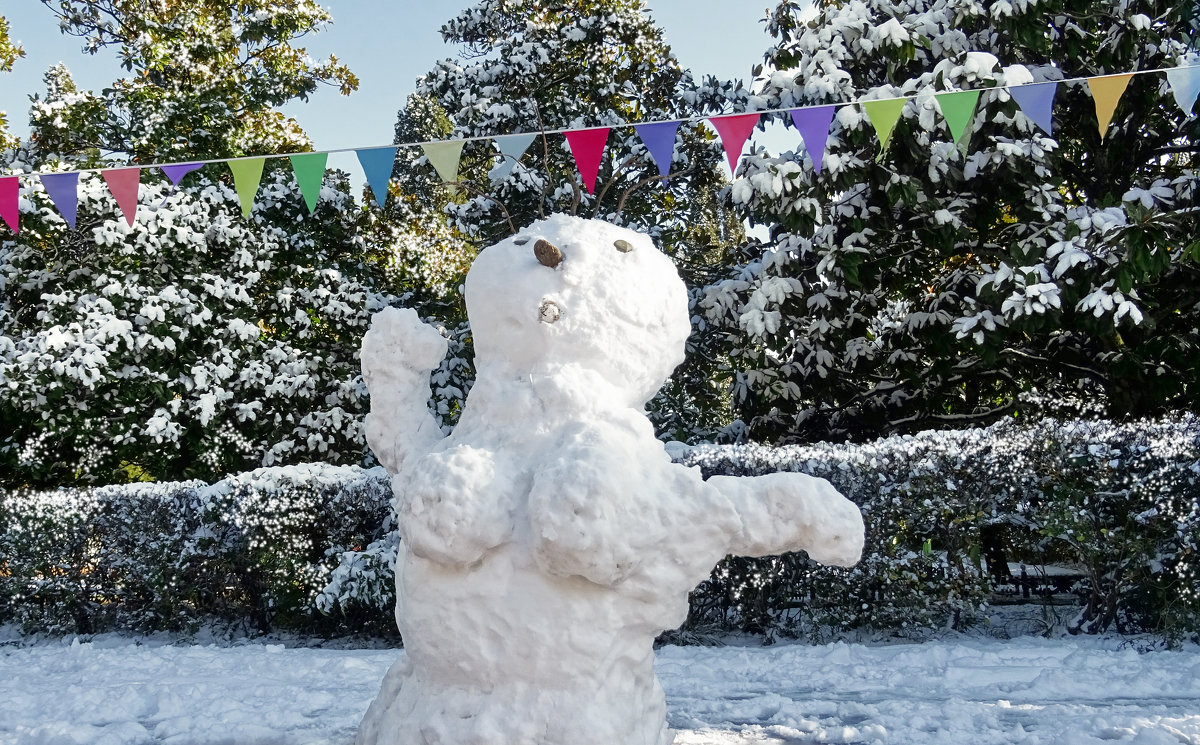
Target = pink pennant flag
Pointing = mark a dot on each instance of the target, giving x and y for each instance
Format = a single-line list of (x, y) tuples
[(9, 196), (123, 183), (587, 145), (734, 131)]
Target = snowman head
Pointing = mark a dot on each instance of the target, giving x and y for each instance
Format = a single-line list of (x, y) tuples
[(573, 297)]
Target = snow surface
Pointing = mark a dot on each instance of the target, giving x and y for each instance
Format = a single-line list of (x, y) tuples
[(965, 691), (549, 539)]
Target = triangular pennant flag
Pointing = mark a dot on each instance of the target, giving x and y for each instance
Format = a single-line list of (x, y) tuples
[(10, 191), (63, 189), (958, 109), (884, 115), (1037, 102), (511, 147), (310, 174), (659, 138), (177, 171), (377, 164), (1185, 86), (1107, 90), (734, 131), (587, 146), (123, 183), (814, 124), (247, 172), (444, 157)]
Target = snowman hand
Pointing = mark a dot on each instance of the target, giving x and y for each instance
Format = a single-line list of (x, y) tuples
[(399, 340), (787, 511), (398, 352)]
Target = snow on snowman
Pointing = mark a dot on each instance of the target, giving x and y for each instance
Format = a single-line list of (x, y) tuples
[(550, 538)]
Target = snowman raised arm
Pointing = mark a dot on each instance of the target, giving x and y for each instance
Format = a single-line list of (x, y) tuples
[(549, 539)]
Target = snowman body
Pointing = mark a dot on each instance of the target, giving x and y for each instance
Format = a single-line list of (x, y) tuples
[(550, 539)]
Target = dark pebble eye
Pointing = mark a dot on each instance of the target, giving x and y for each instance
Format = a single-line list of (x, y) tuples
[(623, 246), (521, 240)]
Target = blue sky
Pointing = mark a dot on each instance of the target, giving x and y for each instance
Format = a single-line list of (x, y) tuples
[(388, 45)]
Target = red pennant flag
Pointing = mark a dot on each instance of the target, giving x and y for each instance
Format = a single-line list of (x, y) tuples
[(734, 131), (9, 196), (587, 145), (123, 183)]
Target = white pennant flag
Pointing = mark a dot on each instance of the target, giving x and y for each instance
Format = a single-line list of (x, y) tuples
[(511, 147)]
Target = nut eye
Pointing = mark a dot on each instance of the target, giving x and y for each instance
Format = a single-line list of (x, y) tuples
[(549, 312), (547, 253), (623, 246)]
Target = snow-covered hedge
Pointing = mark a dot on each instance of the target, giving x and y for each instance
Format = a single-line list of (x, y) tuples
[(1121, 502), (311, 548), (253, 550)]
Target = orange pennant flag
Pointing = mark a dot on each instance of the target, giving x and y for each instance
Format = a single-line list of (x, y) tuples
[(1107, 90)]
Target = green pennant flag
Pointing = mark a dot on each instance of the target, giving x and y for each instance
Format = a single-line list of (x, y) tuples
[(883, 116), (310, 174), (247, 172), (958, 109), (444, 157)]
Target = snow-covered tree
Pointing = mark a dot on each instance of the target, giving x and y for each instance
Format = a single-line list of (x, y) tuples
[(533, 66), (9, 53), (530, 66), (930, 284), (208, 78), (196, 342)]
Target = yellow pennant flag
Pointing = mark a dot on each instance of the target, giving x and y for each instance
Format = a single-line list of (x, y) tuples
[(1106, 91), (247, 173), (444, 157)]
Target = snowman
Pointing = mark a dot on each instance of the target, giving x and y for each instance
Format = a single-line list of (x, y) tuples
[(550, 538)]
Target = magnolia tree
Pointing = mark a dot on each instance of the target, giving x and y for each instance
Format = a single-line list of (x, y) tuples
[(930, 283)]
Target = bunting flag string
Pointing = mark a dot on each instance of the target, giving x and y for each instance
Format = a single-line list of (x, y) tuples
[(659, 139), (511, 148), (1185, 86), (177, 171), (377, 163), (1035, 100), (445, 157), (1106, 92), (63, 189), (246, 176), (813, 124), (123, 183), (587, 147), (10, 199), (734, 131), (884, 113), (958, 109), (310, 174)]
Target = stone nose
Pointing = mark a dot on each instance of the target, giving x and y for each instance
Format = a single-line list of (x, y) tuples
[(547, 253)]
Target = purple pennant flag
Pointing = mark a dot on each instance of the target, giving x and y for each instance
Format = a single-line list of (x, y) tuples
[(1037, 102), (63, 189), (177, 171), (377, 164), (660, 141), (813, 124)]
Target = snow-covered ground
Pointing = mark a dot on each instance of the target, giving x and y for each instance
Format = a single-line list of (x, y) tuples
[(966, 691)]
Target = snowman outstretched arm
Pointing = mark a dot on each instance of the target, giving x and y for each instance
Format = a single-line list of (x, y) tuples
[(786, 511), (398, 353)]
